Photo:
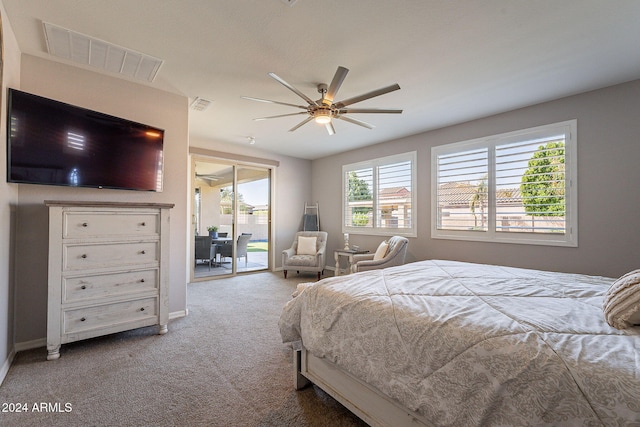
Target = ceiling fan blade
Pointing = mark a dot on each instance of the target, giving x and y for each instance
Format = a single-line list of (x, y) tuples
[(336, 82), (330, 129), (355, 121), (368, 95), (307, 120), (281, 115), (208, 176), (368, 110), (293, 89), (273, 102)]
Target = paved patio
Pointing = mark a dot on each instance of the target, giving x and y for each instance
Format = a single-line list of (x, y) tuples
[(255, 261)]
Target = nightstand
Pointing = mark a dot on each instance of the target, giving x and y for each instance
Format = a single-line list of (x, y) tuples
[(349, 253)]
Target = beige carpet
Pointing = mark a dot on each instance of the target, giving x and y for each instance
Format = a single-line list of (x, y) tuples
[(223, 365)]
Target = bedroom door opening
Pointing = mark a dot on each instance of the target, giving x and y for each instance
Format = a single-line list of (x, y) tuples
[(231, 205)]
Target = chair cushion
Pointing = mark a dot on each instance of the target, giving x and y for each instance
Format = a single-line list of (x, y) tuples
[(306, 245), (303, 261), (381, 252)]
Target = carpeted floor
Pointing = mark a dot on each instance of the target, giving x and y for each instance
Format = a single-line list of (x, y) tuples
[(223, 365)]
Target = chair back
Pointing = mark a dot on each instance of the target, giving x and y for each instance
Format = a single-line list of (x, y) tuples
[(321, 239), (243, 241), (397, 249), (203, 247)]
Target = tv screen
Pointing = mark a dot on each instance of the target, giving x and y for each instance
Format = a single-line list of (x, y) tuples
[(53, 143)]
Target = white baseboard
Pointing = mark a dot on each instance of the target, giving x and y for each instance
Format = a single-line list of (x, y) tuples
[(42, 342), (178, 314), (6, 365), (28, 345)]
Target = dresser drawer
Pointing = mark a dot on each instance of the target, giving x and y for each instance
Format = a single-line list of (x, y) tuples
[(77, 257), (108, 315), (108, 264), (109, 285), (108, 224)]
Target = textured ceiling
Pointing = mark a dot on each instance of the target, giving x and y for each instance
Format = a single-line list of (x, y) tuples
[(455, 60)]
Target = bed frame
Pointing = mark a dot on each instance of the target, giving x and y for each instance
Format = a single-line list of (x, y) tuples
[(366, 402)]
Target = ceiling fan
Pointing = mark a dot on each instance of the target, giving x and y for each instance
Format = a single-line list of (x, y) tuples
[(325, 109)]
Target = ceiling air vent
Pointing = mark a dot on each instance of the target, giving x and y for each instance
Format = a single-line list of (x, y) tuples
[(87, 50), (200, 104)]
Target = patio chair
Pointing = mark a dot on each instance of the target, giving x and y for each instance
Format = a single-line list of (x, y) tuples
[(226, 251), (204, 250)]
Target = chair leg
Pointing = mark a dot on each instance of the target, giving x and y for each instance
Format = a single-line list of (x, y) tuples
[(319, 273), (285, 274)]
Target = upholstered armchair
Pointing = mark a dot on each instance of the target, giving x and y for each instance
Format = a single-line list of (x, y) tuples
[(388, 254), (307, 253)]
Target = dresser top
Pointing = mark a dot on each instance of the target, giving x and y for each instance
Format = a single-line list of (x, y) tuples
[(101, 204)]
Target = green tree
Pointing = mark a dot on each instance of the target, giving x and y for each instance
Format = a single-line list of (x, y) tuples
[(226, 198), (358, 188), (542, 185)]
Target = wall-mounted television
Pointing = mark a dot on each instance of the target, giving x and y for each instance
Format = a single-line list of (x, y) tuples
[(54, 143)]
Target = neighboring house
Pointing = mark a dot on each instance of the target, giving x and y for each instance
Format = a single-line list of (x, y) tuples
[(462, 207), (394, 204)]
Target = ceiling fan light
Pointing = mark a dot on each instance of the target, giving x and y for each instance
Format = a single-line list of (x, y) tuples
[(322, 117)]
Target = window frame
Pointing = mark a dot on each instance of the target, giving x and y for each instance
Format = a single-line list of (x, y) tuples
[(374, 164), (569, 238)]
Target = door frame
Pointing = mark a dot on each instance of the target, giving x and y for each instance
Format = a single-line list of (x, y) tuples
[(201, 155)]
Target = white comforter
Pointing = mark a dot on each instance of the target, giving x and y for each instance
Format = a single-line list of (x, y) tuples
[(469, 344)]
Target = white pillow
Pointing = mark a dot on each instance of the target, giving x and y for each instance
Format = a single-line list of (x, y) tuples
[(381, 252), (621, 303), (306, 245)]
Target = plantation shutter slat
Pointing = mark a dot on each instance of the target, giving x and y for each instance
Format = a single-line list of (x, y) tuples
[(530, 186), (378, 195), (462, 194), (394, 189)]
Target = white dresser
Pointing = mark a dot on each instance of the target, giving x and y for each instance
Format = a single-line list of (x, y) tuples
[(108, 269)]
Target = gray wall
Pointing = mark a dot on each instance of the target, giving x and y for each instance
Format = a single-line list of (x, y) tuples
[(8, 201), (118, 97), (608, 179)]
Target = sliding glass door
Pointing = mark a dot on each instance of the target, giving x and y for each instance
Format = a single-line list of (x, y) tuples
[(232, 205)]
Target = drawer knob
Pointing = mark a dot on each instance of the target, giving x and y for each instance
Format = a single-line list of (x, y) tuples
[(84, 256), (141, 280), (83, 287), (142, 309), (84, 224), (143, 252), (143, 224), (82, 319)]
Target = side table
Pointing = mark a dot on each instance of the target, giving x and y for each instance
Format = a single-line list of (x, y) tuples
[(349, 253)]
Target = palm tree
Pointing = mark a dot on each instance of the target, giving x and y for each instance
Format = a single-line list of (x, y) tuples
[(479, 198)]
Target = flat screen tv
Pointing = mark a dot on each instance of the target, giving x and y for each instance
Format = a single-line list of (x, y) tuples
[(53, 143)]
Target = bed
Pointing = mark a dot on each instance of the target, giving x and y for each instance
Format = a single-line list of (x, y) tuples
[(447, 343)]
